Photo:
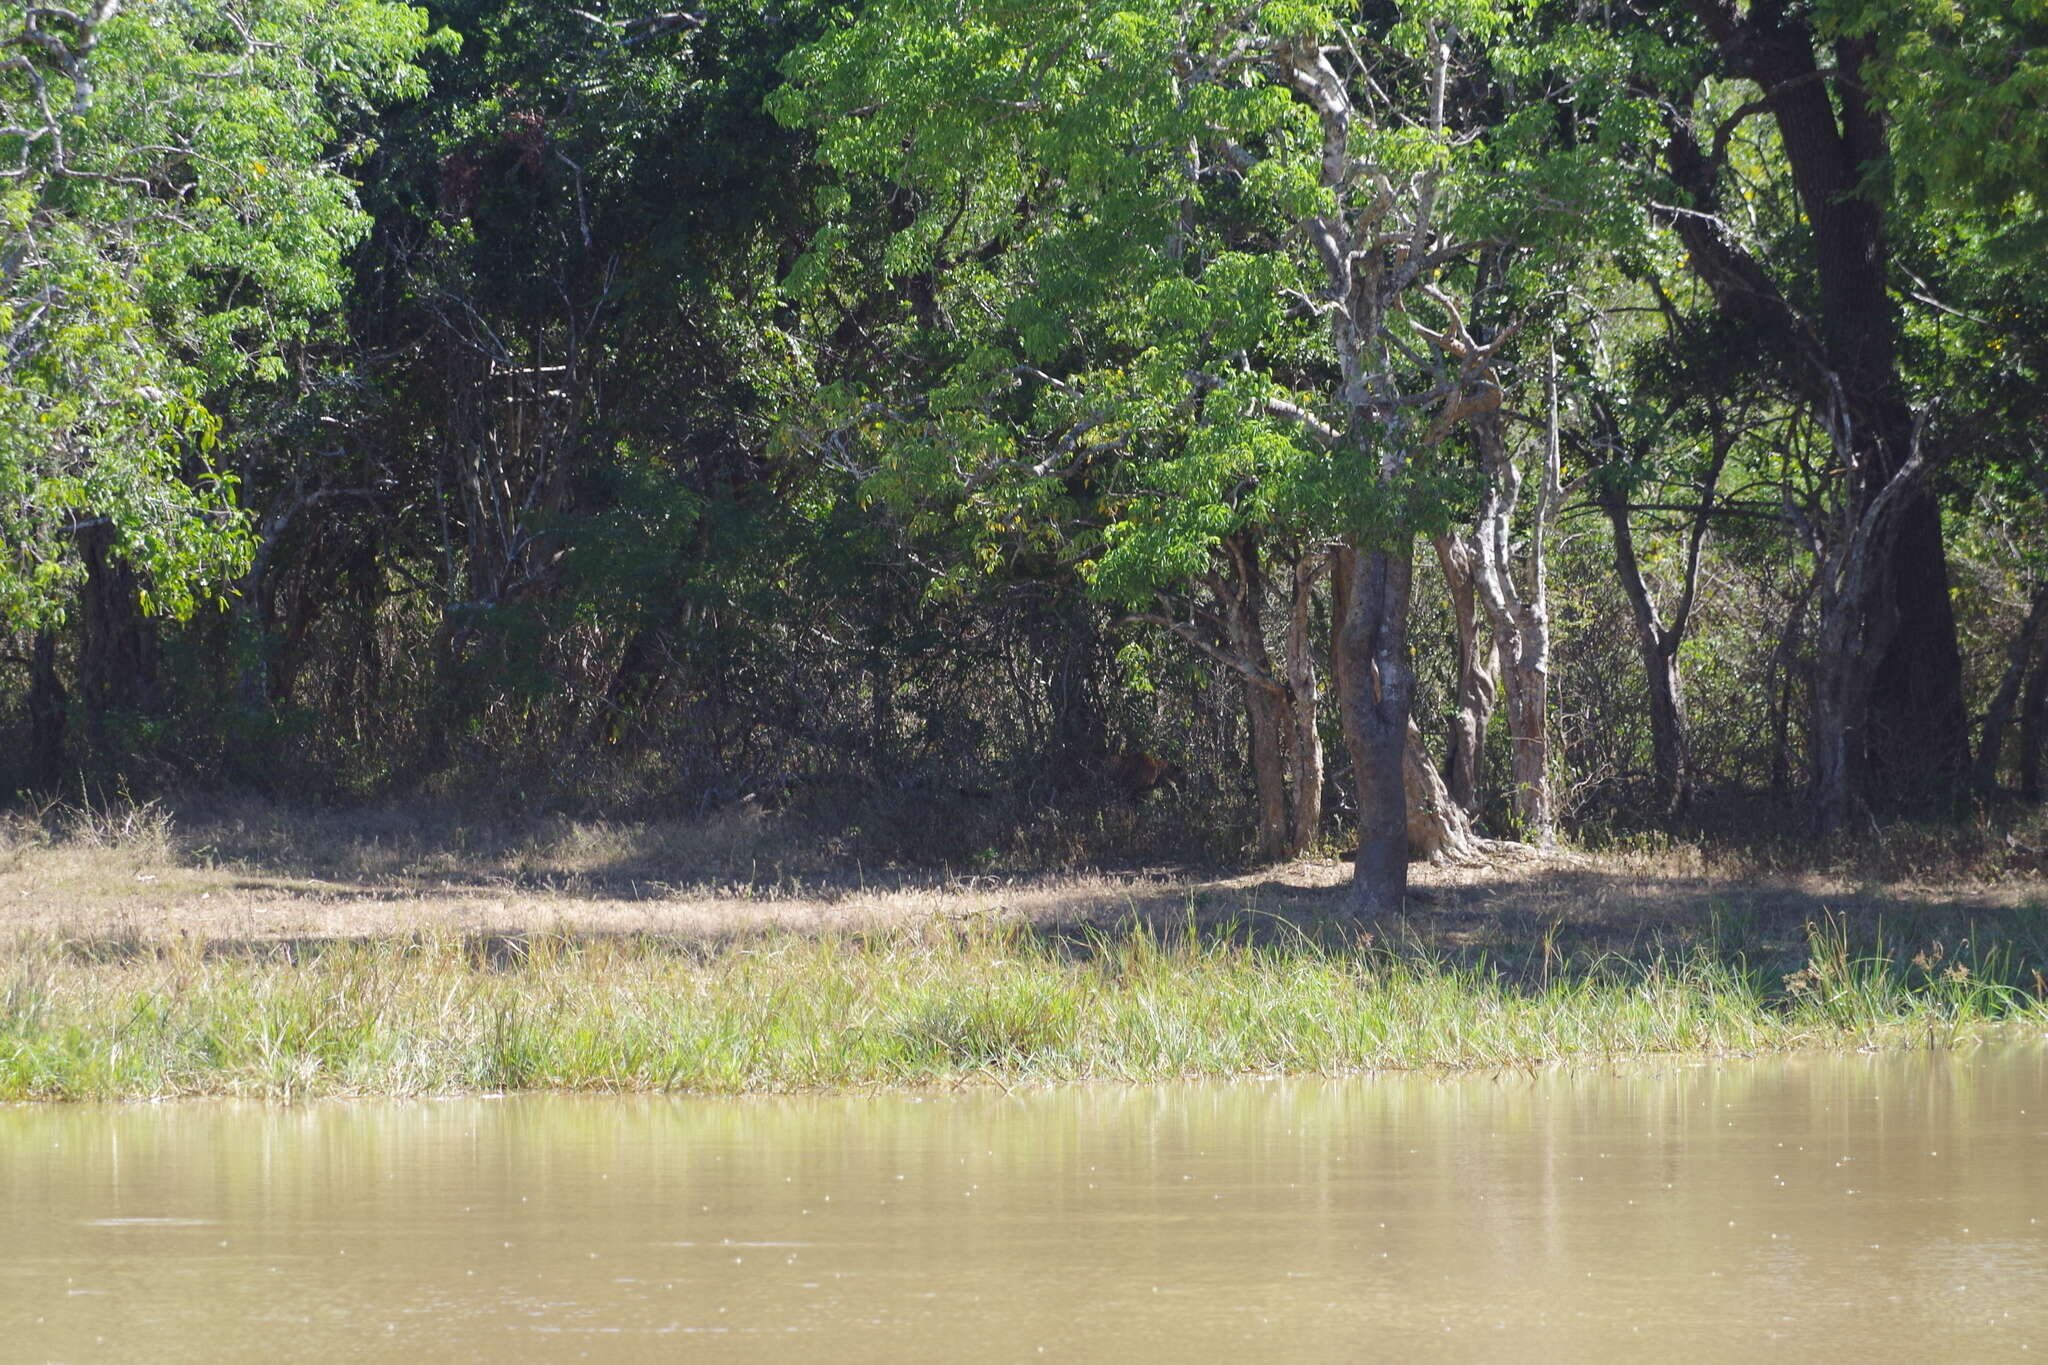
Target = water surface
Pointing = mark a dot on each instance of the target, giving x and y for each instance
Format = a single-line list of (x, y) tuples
[(1885, 1208)]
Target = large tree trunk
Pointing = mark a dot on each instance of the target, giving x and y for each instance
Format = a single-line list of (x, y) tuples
[(1403, 815), (1465, 749), (1376, 686), (1858, 621), (1307, 749)]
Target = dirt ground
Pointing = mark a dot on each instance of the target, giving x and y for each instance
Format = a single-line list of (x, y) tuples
[(270, 877)]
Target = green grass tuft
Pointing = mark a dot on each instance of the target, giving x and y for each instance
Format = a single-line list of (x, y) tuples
[(918, 1006)]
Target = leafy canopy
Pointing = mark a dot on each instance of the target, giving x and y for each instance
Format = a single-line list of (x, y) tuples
[(1100, 262), (176, 210)]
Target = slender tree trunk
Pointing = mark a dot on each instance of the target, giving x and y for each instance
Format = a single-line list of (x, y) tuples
[(1998, 716), (1242, 597), (1307, 748), (1521, 621), (1657, 647), (1670, 745), (1465, 750), (1529, 734)]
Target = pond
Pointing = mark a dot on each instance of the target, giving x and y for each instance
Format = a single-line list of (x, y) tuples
[(1880, 1207)]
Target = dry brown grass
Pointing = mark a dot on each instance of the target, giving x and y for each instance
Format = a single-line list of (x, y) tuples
[(261, 873)]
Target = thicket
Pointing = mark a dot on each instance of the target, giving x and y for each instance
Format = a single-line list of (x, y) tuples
[(898, 408)]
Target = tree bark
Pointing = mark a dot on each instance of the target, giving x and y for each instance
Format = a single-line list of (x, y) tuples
[(1269, 718), (1521, 622), (1242, 597), (1437, 829), (1307, 749), (1376, 687), (1858, 619), (1465, 747)]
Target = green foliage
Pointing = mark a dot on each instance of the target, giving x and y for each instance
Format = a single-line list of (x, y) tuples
[(1106, 206), (1965, 86), (177, 213)]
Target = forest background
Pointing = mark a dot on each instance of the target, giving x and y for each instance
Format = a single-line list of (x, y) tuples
[(1394, 422)]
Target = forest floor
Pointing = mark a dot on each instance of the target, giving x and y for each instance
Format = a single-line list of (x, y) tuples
[(255, 873)]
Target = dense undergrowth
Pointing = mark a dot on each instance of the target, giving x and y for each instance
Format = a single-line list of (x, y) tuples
[(921, 1006)]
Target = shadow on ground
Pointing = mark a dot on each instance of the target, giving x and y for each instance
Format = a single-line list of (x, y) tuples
[(1527, 920)]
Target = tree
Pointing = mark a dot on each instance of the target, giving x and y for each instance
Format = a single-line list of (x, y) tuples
[(176, 210), (1837, 342), (1170, 269)]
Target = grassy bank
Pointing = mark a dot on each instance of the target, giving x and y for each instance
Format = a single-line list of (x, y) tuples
[(931, 1005)]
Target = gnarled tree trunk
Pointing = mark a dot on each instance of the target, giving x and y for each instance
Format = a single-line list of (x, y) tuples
[(1859, 617), (1376, 686), (1438, 830)]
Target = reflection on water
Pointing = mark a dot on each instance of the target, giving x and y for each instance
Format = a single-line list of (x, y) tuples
[(1885, 1207)]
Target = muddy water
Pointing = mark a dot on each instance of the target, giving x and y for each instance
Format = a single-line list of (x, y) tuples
[(1847, 1207)]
